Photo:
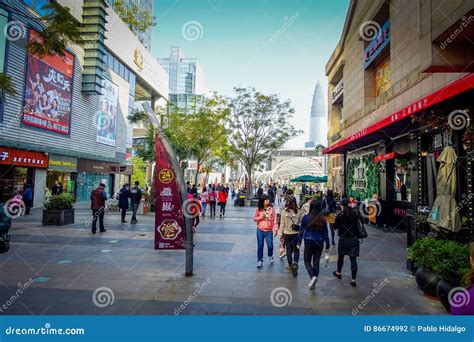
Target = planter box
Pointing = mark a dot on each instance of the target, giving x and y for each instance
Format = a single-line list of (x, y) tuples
[(58, 217), (248, 203)]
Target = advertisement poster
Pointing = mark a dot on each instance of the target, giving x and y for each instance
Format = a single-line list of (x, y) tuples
[(107, 114), (48, 91), (169, 219)]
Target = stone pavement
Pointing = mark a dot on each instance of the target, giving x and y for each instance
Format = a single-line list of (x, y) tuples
[(118, 272)]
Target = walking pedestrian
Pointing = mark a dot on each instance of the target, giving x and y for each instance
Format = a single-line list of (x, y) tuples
[(27, 197), (193, 190), (266, 229), (124, 194), (212, 201), (289, 228), (223, 194), (135, 199), (98, 198), (195, 211), (259, 192), (330, 213), (348, 244), (314, 233), (204, 200), (271, 194)]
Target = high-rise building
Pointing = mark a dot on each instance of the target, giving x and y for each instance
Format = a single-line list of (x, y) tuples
[(147, 5), (318, 119), (186, 80)]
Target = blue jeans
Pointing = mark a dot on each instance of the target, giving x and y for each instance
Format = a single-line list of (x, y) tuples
[(261, 236), (204, 206)]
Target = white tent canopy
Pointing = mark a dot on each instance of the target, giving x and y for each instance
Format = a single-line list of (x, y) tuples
[(289, 169)]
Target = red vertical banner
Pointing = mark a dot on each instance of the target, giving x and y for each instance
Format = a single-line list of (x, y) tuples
[(169, 220)]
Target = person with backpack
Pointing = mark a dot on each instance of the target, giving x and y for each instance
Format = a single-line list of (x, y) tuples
[(265, 218), (212, 201), (314, 233), (223, 194), (289, 228), (135, 199), (347, 224)]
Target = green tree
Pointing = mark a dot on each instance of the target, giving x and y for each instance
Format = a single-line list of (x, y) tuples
[(139, 170), (6, 84), (137, 19), (259, 125), (61, 30)]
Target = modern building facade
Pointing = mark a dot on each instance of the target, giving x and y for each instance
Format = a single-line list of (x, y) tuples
[(186, 81), (318, 119), (146, 5), (400, 91), (67, 121)]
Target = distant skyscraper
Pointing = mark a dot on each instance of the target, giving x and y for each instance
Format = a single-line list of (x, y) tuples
[(318, 125), (186, 80), (147, 5)]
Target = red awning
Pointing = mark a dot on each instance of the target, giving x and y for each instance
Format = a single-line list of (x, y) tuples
[(391, 123)]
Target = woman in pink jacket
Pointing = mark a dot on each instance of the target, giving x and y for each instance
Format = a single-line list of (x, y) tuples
[(266, 229)]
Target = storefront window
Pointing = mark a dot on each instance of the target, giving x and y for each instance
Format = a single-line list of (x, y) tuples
[(12, 180), (402, 181)]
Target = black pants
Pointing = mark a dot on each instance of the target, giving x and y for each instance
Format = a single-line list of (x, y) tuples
[(222, 210), (340, 263), (98, 214), (333, 233), (124, 213), (312, 256), (292, 252), (134, 212), (28, 204), (212, 204)]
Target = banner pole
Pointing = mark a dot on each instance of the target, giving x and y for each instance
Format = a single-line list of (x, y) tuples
[(160, 134)]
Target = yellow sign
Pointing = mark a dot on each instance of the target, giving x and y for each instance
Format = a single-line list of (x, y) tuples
[(138, 58), (166, 176)]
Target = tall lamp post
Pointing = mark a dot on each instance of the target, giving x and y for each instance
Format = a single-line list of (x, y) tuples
[(189, 246)]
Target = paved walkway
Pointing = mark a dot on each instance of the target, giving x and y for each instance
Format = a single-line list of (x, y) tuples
[(80, 273)]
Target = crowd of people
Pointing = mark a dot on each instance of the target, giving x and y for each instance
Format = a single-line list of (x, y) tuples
[(309, 228)]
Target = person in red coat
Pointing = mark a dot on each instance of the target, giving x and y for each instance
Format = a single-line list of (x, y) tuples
[(98, 198), (223, 194)]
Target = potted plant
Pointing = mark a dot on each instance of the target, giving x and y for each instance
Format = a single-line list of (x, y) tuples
[(59, 210), (452, 266), (423, 253)]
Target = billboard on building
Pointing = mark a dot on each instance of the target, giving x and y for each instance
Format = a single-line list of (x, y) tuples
[(48, 91), (107, 114)]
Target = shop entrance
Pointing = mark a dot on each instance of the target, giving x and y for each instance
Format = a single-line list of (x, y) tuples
[(86, 182)]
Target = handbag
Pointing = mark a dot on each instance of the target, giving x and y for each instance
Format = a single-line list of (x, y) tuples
[(362, 230)]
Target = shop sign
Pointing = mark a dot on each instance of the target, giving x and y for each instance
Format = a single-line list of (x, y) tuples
[(377, 44), (48, 90), (335, 137), (10, 156), (192, 164), (169, 218), (385, 156), (400, 212), (337, 91), (62, 163), (441, 140)]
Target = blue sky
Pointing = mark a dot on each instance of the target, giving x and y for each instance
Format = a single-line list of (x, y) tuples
[(277, 46)]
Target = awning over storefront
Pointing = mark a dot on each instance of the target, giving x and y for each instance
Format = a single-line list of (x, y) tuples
[(396, 123)]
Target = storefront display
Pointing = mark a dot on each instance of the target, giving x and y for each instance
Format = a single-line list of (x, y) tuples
[(363, 177), (62, 169)]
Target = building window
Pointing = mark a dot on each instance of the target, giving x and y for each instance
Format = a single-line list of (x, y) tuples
[(3, 44), (382, 77)]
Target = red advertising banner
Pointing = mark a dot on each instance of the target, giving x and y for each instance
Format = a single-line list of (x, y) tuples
[(48, 91), (169, 220), (11, 156), (385, 156)]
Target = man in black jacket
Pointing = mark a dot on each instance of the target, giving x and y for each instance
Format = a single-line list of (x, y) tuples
[(135, 198)]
